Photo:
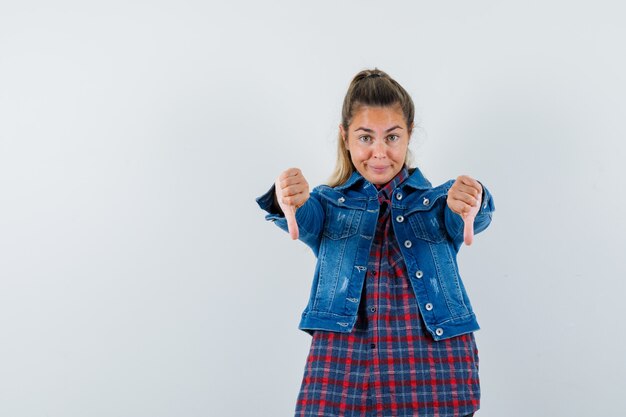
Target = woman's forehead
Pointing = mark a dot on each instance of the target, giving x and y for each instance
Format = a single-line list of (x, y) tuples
[(378, 117)]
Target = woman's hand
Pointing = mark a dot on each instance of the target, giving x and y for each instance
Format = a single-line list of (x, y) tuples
[(464, 198), (292, 191)]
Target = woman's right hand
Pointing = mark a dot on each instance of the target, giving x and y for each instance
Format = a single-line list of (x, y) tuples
[(292, 191)]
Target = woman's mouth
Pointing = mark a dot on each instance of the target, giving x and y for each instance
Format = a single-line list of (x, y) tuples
[(378, 169)]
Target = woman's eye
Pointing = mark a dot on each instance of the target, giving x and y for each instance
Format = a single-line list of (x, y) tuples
[(393, 138), (365, 139)]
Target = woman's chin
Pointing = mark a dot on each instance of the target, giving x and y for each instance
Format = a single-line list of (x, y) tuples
[(379, 179), (379, 176)]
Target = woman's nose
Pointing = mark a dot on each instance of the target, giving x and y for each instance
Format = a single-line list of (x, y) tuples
[(379, 149)]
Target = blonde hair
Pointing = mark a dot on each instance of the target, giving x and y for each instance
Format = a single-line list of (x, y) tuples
[(368, 88)]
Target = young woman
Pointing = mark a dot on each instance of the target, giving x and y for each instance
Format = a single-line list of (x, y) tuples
[(390, 319)]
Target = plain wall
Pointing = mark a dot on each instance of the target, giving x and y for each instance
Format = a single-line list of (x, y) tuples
[(137, 275)]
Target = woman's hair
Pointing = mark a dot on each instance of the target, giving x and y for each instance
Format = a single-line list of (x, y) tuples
[(368, 88)]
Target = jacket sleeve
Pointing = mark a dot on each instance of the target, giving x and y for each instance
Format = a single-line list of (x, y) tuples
[(454, 221), (310, 217)]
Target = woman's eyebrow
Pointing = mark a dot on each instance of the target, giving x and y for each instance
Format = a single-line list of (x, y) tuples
[(394, 128), (365, 129)]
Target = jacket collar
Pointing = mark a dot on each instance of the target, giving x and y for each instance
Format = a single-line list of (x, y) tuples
[(354, 178), (416, 180)]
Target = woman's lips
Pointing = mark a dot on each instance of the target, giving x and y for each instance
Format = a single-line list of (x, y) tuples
[(379, 169)]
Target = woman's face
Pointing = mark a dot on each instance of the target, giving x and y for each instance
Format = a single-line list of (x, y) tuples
[(378, 140)]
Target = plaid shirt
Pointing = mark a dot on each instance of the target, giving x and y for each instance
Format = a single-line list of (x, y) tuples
[(389, 365)]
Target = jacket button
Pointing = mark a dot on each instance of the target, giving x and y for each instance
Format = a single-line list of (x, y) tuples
[(439, 331), (429, 306), (419, 274), (341, 199), (426, 201), (400, 219), (407, 243), (399, 196)]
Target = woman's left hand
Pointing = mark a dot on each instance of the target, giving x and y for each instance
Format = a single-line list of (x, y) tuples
[(464, 198)]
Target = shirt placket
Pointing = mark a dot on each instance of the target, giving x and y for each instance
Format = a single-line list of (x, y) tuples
[(375, 285)]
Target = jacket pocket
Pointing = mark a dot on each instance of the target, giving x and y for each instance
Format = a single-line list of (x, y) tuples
[(341, 223), (342, 217), (426, 221), (428, 227)]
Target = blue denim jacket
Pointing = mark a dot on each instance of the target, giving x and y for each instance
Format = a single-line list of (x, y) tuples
[(338, 224)]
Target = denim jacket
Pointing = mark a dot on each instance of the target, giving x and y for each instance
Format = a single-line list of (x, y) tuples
[(338, 224)]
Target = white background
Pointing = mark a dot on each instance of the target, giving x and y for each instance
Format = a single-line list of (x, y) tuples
[(137, 275)]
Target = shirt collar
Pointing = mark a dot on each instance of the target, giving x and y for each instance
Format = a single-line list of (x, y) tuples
[(384, 191)]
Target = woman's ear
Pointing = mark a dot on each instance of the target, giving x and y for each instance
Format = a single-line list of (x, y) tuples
[(411, 131), (343, 137)]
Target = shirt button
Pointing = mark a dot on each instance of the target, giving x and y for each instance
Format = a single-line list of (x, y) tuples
[(399, 219), (429, 306), (341, 199), (398, 196), (373, 309), (439, 331), (373, 345), (426, 201), (407, 243), (419, 274)]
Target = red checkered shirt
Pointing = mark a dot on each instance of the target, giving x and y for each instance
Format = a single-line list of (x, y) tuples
[(389, 365)]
